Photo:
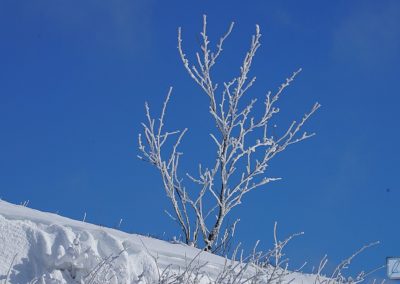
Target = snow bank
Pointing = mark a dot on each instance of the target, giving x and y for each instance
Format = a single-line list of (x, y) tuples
[(38, 247), (48, 248)]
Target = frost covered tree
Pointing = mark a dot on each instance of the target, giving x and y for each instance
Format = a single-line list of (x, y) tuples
[(244, 146)]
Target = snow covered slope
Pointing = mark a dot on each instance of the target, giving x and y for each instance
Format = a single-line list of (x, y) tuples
[(38, 247)]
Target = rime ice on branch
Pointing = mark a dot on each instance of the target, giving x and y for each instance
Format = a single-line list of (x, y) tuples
[(236, 170)]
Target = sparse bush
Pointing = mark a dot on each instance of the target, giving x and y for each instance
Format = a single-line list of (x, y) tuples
[(261, 268), (244, 146)]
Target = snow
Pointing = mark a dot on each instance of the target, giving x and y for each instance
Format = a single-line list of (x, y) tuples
[(39, 247)]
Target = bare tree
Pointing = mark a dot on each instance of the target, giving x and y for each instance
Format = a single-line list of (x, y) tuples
[(241, 162)]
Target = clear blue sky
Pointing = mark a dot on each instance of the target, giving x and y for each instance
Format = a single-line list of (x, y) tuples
[(75, 74)]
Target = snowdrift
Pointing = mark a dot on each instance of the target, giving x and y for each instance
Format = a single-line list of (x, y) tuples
[(39, 247)]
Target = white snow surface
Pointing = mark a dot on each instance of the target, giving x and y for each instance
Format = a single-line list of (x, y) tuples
[(39, 247)]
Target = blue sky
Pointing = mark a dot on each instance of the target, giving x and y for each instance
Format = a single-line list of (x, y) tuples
[(75, 76)]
